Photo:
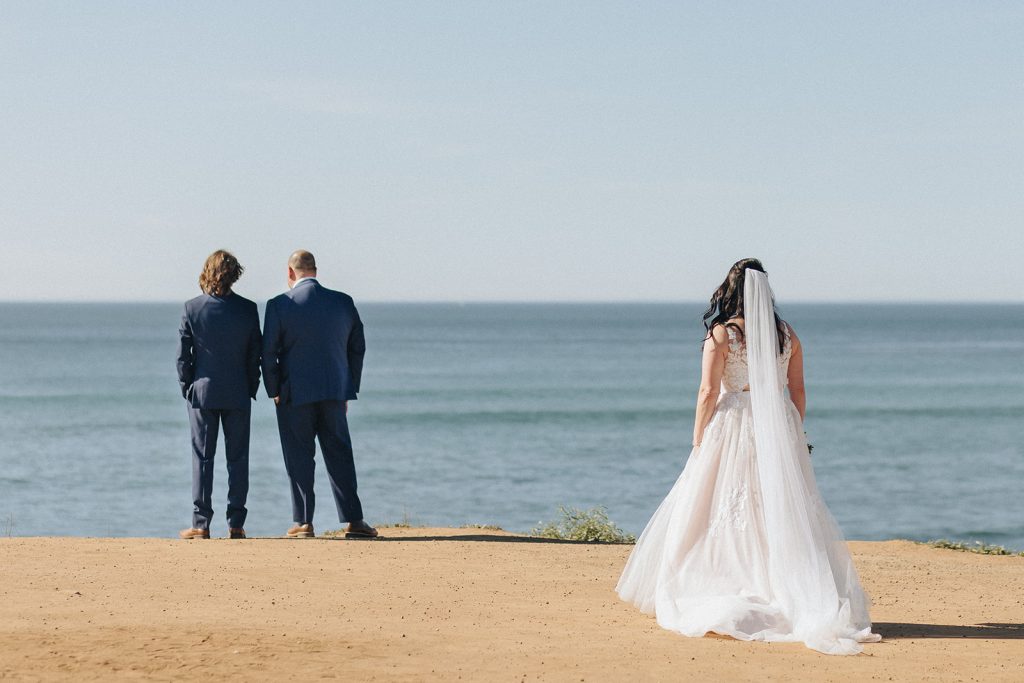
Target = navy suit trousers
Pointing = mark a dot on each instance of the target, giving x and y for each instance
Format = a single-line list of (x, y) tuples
[(300, 426), (205, 426)]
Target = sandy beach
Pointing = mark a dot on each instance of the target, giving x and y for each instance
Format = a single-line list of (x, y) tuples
[(455, 604)]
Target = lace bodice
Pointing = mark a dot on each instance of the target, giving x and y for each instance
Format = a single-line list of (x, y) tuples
[(736, 376)]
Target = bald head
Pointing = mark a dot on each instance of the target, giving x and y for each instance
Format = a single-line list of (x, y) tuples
[(303, 263), (300, 264)]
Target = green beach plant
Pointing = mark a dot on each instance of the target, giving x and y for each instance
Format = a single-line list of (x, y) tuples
[(405, 523), (979, 547), (590, 525), (396, 525)]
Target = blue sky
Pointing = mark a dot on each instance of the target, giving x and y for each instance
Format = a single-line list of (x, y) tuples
[(514, 150)]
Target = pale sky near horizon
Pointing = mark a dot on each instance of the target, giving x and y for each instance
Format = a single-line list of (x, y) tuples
[(465, 151)]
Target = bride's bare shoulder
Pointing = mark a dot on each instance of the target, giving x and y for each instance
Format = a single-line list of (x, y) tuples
[(718, 337), (735, 327)]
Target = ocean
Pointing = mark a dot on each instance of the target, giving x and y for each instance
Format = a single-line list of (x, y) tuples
[(499, 413)]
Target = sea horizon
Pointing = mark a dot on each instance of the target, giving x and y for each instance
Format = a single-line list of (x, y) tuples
[(570, 302), (497, 413)]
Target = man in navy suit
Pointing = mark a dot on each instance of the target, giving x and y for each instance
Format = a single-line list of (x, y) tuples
[(313, 350), (219, 372)]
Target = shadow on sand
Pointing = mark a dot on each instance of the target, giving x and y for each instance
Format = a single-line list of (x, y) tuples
[(481, 538), (385, 538), (892, 631)]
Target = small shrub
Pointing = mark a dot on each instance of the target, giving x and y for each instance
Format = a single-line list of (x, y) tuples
[(590, 525), (977, 547), (485, 527), (405, 523)]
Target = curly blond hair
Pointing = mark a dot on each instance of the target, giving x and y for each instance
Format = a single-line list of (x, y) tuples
[(221, 271)]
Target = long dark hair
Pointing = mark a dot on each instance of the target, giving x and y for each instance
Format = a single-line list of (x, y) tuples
[(727, 301)]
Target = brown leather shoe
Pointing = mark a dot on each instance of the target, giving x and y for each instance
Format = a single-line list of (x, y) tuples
[(360, 529), (194, 533), (236, 533), (301, 531)]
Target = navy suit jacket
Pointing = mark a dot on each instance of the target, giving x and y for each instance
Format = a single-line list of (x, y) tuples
[(219, 352), (313, 345)]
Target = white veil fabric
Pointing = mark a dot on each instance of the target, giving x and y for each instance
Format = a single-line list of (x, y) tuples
[(812, 577)]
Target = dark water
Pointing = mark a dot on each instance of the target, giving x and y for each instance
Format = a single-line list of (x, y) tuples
[(498, 413)]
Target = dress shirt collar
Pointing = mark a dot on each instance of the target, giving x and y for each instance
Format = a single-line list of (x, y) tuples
[(311, 278)]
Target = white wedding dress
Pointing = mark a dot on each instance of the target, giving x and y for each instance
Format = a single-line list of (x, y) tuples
[(744, 545)]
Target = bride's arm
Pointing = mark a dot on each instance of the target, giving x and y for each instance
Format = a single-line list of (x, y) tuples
[(796, 376), (712, 366)]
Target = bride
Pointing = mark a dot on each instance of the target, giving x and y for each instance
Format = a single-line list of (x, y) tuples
[(744, 545)]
